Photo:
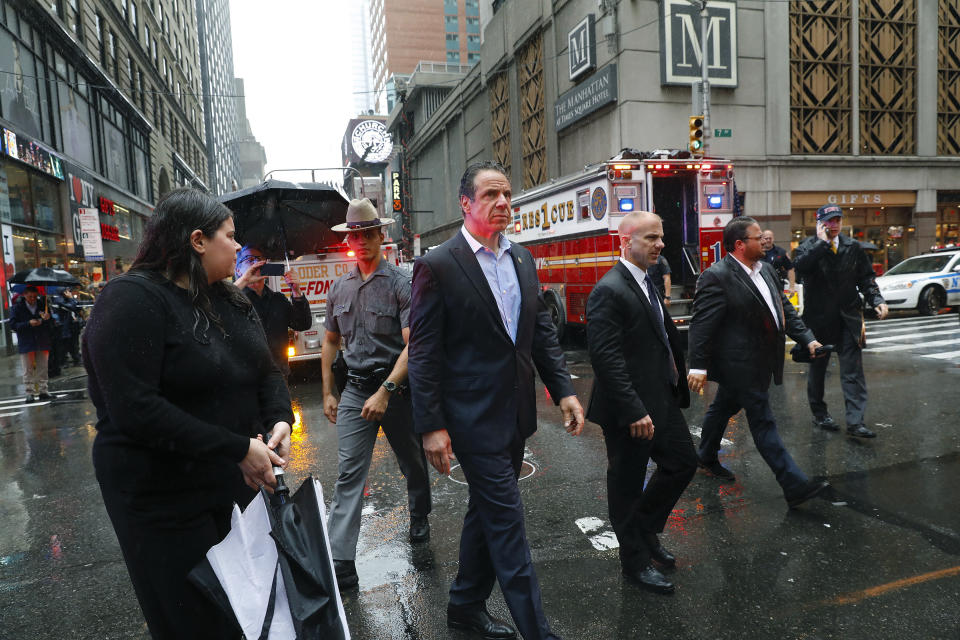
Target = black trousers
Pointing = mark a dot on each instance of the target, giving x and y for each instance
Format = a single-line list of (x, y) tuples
[(160, 545), (493, 544), (636, 510), (852, 381)]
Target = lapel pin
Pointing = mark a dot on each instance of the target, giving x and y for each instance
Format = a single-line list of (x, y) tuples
[(519, 259)]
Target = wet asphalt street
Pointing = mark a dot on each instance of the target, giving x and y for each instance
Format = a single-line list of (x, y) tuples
[(878, 557)]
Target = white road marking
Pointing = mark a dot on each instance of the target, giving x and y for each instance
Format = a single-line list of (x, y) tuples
[(697, 431), (7, 415), (908, 320), (944, 332), (906, 329), (598, 533), (948, 355), (918, 345)]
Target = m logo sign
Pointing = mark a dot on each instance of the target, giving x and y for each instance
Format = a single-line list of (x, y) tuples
[(680, 46), (582, 48)]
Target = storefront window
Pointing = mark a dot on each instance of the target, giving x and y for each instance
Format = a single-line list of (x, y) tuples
[(45, 202), (21, 199), (24, 249), (948, 225), (51, 250), (882, 231)]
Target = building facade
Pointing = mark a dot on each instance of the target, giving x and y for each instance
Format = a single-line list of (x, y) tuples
[(99, 117), (250, 154), (220, 112), (403, 33), (829, 102)]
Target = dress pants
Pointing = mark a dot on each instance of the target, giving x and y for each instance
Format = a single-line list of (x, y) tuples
[(493, 544), (162, 537), (763, 428), (35, 364), (356, 438), (634, 510), (852, 381)]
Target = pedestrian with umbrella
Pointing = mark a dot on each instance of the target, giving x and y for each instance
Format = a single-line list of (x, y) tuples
[(31, 320), (184, 383)]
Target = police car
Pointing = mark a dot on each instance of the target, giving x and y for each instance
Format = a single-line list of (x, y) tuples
[(926, 282)]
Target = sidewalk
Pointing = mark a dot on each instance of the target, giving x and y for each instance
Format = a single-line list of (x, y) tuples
[(11, 377)]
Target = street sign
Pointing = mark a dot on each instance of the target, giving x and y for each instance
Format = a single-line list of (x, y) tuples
[(723, 133)]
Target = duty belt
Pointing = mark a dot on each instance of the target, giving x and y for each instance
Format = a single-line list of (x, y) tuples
[(371, 380)]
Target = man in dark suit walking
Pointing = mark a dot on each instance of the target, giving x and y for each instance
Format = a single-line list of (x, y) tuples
[(737, 339), (478, 326), (638, 391), (836, 272)]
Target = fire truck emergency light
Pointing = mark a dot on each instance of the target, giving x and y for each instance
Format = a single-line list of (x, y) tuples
[(626, 204), (715, 202)]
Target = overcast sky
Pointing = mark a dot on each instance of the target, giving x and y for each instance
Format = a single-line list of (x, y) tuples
[(293, 56)]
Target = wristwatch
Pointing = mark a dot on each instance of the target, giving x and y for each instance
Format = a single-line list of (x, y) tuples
[(390, 386)]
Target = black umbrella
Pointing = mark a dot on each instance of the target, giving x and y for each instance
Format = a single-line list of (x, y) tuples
[(44, 276), (273, 575), (287, 219)]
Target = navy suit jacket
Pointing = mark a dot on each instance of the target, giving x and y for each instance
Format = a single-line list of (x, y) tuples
[(466, 375)]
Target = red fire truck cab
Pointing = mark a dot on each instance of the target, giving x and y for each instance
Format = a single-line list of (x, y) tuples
[(570, 224)]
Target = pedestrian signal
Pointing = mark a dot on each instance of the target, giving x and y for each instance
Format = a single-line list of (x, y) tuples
[(696, 134)]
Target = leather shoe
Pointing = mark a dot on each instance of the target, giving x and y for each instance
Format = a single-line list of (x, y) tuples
[(811, 490), (419, 529), (827, 423), (479, 621), (658, 553), (346, 571), (860, 431), (717, 470), (44, 396), (649, 578)]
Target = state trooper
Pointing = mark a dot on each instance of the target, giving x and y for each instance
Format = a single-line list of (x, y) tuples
[(369, 308)]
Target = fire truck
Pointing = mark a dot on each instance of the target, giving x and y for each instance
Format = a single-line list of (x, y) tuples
[(316, 273), (570, 224)]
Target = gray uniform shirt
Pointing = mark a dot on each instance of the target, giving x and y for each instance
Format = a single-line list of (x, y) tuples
[(370, 314)]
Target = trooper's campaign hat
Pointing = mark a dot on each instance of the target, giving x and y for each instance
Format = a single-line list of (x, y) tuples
[(361, 214), (828, 211)]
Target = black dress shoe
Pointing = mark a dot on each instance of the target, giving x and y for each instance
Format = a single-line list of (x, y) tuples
[(860, 431), (717, 470), (30, 398), (811, 490), (479, 621), (346, 571), (827, 423), (650, 579), (658, 553), (44, 396), (419, 529)]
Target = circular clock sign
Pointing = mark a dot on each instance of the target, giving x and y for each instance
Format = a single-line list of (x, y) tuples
[(371, 141)]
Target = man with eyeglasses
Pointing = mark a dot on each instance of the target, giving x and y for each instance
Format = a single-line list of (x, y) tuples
[(740, 316), (368, 308), (275, 311)]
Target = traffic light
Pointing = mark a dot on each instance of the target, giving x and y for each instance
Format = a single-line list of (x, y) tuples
[(696, 134)]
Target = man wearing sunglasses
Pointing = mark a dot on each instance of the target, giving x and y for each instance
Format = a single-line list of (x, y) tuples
[(275, 311)]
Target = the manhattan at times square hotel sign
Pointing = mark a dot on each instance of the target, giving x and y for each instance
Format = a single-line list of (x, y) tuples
[(680, 47)]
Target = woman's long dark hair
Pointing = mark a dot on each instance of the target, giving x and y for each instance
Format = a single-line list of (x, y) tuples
[(165, 250)]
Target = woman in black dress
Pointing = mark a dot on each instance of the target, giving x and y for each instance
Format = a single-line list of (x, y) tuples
[(184, 384)]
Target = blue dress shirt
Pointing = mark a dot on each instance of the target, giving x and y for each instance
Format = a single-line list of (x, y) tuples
[(501, 275)]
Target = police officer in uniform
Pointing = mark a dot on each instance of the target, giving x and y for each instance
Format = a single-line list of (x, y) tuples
[(369, 308)]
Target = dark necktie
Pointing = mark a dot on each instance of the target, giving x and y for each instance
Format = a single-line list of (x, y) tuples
[(658, 313)]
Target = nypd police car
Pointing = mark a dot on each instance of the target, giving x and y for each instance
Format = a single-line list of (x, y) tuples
[(926, 282)]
